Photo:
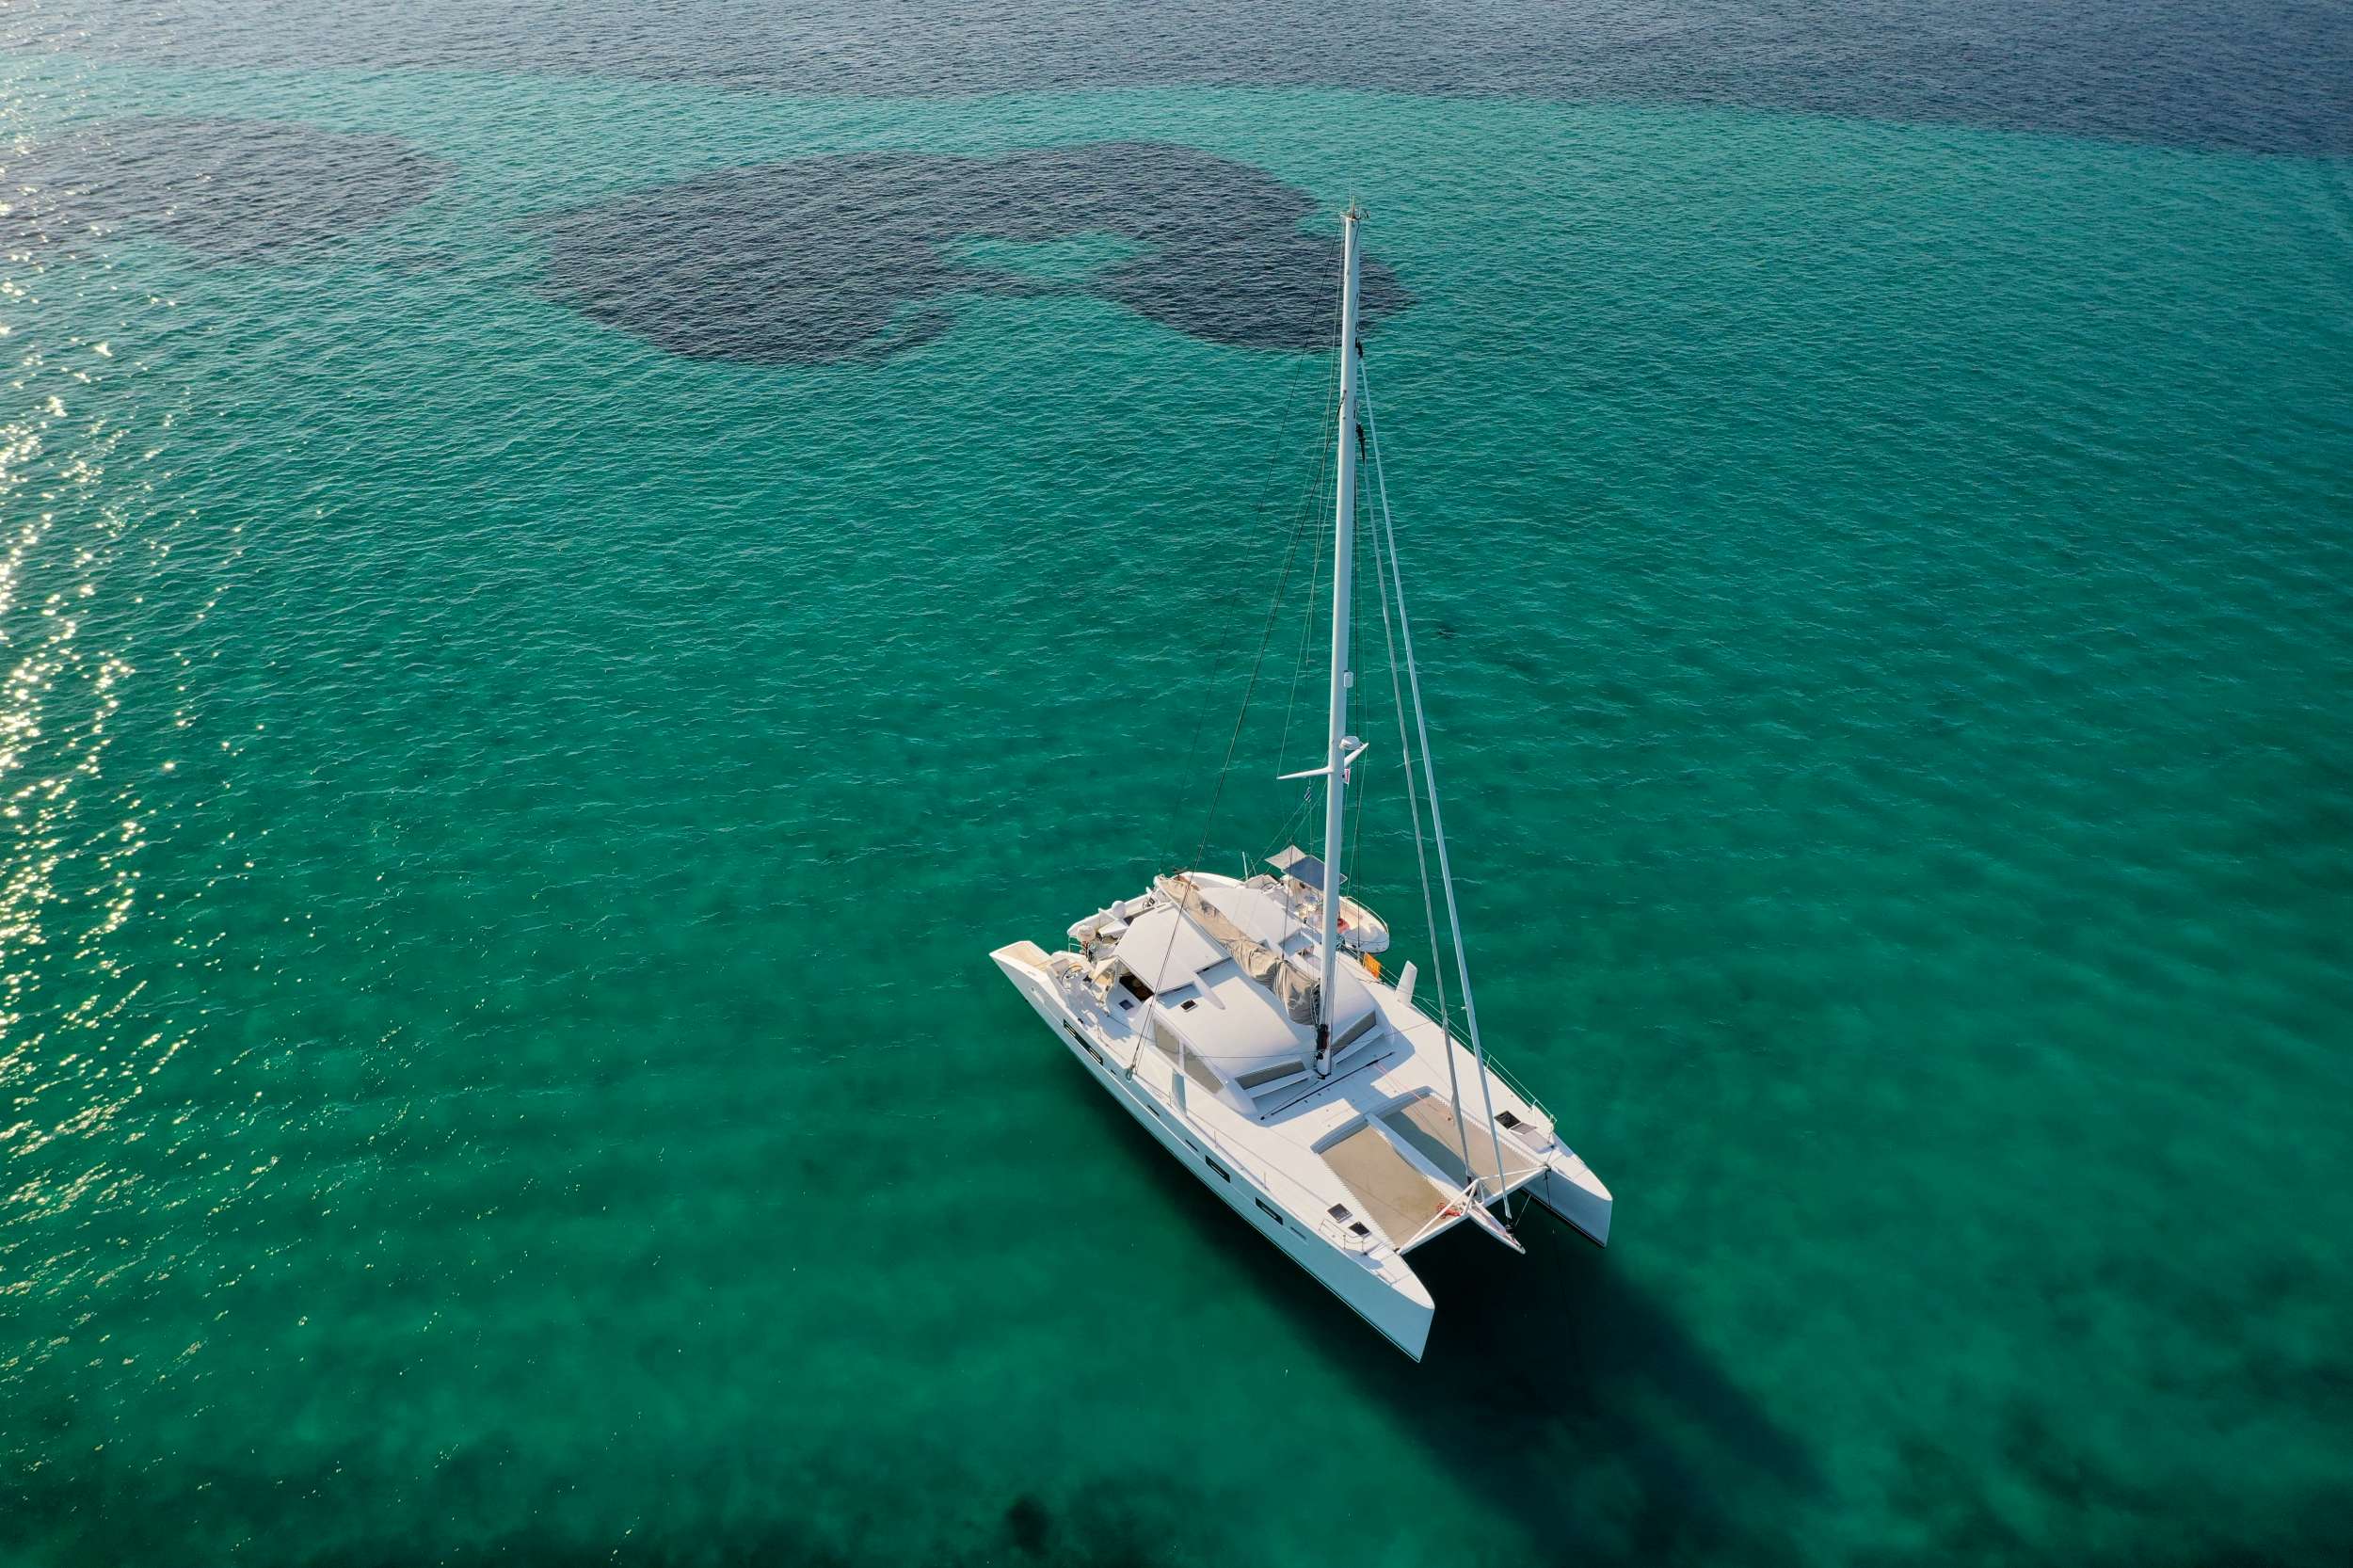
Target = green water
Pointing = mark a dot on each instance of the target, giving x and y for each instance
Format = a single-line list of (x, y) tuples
[(506, 825)]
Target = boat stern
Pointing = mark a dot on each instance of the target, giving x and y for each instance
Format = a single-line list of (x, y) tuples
[(1028, 966), (1019, 958), (1396, 1304)]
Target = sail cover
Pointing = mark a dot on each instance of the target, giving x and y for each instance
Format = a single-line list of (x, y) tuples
[(1298, 992)]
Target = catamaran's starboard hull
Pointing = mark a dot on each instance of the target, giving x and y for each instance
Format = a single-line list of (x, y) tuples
[(1398, 1305), (1571, 1191)]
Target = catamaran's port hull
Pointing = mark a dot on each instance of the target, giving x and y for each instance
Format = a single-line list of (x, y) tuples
[(1395, 1304)]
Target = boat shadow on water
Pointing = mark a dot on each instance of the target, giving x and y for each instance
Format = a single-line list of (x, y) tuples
[(1562, 1393), (1584, 1406)]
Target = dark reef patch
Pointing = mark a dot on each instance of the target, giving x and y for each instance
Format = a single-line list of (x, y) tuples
[(229, 190), (854, 256)]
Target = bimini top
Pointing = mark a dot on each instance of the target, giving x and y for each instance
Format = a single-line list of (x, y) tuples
[(1301, 867), (1234, 989)]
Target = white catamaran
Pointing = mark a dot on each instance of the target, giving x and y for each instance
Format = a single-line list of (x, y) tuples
[(1246, 1023)]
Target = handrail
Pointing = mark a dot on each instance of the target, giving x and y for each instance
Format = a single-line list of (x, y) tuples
[(1511, 1081)]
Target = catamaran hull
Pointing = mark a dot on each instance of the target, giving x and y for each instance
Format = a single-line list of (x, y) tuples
[(1400, 1308), (1571, 1191)]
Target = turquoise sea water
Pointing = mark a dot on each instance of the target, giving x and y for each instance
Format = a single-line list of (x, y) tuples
[(506, 815)]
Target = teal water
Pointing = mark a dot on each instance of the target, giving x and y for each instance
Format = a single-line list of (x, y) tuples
[(506, 823)]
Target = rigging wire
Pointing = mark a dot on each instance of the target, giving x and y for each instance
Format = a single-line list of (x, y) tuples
[(1266, 636), (1430, 781), (1297, 820), (1313, 491), (1267, 492), (1291, 552), (1421, 856), (1355, 637), (1356, 818), (1307, 634)]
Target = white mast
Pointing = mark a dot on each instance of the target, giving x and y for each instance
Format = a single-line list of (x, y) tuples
[(1343, 564)]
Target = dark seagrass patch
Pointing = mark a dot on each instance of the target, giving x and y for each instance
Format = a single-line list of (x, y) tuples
[(228, 190), (858, 255)]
